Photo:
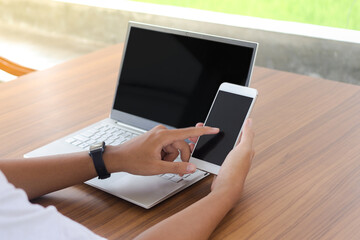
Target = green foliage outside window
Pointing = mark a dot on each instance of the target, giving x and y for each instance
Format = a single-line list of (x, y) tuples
[(332, 13)]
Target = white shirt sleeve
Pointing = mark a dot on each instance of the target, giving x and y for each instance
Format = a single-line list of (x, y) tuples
[(20, 219)]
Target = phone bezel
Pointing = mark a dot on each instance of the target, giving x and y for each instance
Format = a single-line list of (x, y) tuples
[(235, 89)]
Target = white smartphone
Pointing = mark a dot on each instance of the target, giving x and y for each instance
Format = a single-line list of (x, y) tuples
[(229, 110)]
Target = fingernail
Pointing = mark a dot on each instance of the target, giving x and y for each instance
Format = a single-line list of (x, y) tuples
[(190, 168), (215, 130)]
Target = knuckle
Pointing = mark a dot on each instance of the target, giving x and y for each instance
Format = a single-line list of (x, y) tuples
[(161, 126), (154, 135), (158, 128), (160, 131)]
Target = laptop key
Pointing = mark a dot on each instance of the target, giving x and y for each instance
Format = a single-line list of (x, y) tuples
[(90, 142), (87, 134), (83, 145), (70, 140), (176, 179), (80, 138), (167, 175), (127, 135), (92, 130), (76, 143), (186, 175), (134, 135)]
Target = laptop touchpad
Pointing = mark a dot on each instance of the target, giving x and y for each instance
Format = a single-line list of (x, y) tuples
[(140, 189)]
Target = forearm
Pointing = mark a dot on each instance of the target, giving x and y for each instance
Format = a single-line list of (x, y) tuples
[(38, 176), (197, 221)]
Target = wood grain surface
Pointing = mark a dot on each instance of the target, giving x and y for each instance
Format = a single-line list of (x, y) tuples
[(304, 182)]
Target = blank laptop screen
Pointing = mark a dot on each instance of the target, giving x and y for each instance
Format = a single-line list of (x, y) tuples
[(172, 79)]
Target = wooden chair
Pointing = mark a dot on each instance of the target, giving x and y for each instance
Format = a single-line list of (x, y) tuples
[(13, 68)]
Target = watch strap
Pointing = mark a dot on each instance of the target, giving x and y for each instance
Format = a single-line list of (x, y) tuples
[(97, 157)]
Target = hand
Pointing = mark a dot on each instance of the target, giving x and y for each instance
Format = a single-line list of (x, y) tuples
[(232, 174), (193, 140), (154, 152)]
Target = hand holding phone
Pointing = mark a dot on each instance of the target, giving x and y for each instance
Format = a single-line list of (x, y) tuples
[(230, 108)]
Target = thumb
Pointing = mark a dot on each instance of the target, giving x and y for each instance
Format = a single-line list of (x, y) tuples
[(180, 168)]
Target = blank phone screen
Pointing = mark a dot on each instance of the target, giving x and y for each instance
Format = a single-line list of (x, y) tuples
[(228, 113)]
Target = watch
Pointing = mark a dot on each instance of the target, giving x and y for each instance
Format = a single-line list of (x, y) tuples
[(96, 153)]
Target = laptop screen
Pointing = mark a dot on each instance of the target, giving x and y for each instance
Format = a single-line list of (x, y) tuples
[(172, 78)]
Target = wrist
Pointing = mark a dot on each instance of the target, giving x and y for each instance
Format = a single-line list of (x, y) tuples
[(223, 198), (228, 195), (111, 158)]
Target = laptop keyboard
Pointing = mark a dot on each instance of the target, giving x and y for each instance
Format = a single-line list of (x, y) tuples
[(113, 135), (110, 134), (176, 178)]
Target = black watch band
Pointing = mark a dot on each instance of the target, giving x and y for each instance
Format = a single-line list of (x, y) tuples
[(96, 153)]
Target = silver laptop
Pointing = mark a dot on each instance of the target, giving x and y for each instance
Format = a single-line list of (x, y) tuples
[(167, 76)]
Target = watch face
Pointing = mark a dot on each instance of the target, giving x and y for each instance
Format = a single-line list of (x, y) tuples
[(96, 146)]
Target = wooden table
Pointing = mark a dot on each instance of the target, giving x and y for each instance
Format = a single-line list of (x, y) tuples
[(305, 178)]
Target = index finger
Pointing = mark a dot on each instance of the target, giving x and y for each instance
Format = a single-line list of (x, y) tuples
[(184, 133), (194, 139)]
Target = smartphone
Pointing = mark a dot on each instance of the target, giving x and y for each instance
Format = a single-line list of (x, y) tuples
[(229, 110)]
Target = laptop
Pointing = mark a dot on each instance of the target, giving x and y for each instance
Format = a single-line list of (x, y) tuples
[(167, 76)]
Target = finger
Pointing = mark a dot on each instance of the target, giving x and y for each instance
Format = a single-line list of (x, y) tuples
[(194, 139), (171, 153), (239, 140), (192, 146), (169, 149), (163, 154), (200, 124), (184, 133), (158, 127), (247, 136), (184, 148), (170, 157), (177, 167)]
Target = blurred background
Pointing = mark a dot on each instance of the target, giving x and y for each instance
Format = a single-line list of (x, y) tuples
[(315, 38), (339, 14)]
